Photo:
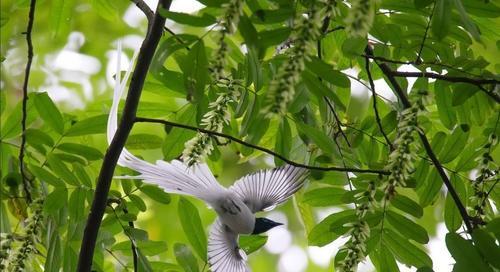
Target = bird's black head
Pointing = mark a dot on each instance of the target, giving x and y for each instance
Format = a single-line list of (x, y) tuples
[(263, 225)]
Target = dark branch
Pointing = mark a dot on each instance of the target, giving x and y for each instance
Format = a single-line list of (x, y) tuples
[(375, 109), (144, 59), (427, 146), (448, 78), (263, 149), (149, 16), (457, 79), (31, 19)]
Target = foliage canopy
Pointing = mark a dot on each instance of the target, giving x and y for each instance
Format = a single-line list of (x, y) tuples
[(393, 105)]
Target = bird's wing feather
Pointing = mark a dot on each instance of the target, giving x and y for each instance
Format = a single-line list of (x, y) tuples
[(173, 177), (224, 255), (264, 190)]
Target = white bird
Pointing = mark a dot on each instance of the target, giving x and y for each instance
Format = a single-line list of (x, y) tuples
[(236, 206)]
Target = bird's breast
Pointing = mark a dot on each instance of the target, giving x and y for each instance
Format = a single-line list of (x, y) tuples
[(235, 214)]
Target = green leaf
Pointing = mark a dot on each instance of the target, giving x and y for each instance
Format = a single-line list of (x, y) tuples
[(405, 251), (36, 136), (452, 218), (487, 247), (76, 205), (267, 16), (137, 234), (138, 202), (320, 90), (441, 20), (464, 253), (462, 92), (54, 253), (188, 19), (468, 24), (324, 197), (196, 70), (354, 47), (155, 193), (62, 170), (45, 176), (55, 201), (384, 260), (283, 141), (331, 228), (318, 137), (252, 243), (193, 228), (273, 37), (11, 127), (254, 69), (327, 73), (430, 189), (82, 175), (171, 147), (152, 248), (407, 205), (455, 144), (60, 17), (85, 151), (185, 258), (49, 112), (444, 105), (248, 32), (142, 141), (93, 125), (407, 228), (143, 264)]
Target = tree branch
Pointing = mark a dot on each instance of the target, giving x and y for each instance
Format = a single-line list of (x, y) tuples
[(29, 42), (474, 81), (375, 109), (263, 149), (149, 16), (427, 146), (144, 59), (457, 79)]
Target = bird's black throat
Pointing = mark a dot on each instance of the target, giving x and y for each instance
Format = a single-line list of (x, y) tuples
[(263, 224)]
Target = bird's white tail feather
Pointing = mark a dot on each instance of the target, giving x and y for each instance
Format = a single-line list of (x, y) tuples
[(173, 177)]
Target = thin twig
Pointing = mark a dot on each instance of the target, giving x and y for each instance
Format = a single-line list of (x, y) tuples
[(418, 59), (116, 258), (337, 119), (375, 109), (457, 79), (29, 42), (425, 142), (263, 149), (125, 125), (133, 248)]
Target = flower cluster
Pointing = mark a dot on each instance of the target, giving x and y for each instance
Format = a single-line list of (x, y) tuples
[(231, 18), (218, 115), (5, 248), (360, 232), (486, 164), (282, 87), (360, 17), (401, 159), (16, 262)]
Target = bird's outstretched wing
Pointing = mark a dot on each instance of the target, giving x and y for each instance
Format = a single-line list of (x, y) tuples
[(264, 190), (174, 176), (224, 255)]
